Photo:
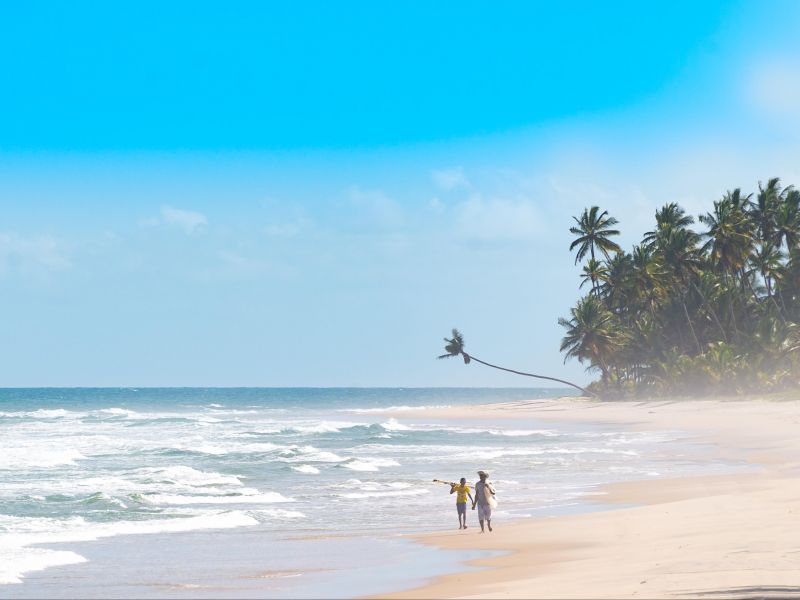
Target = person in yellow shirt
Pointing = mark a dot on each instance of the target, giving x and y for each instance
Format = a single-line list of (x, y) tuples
[(462, 492)]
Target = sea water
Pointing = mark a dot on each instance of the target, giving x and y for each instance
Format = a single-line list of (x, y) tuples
[(268, 477)]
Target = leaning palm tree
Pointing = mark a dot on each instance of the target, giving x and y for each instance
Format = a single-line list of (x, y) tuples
[(594, 231), (455, 347)]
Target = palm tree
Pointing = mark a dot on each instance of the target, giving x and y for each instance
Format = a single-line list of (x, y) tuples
[(787, 220), (680, 255), (767, 259), (718, 309), (647, 278), (736, 198), (714, 310), (709, 288), (593, 271), (765, 208), (670, 217), (455, 347), (617, 285), (594, 231), (591, 335), (730, 236)]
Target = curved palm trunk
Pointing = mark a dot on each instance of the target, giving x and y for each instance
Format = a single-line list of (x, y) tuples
[(585, 391)]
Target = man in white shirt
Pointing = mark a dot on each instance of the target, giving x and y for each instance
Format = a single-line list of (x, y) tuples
[(484, 496)]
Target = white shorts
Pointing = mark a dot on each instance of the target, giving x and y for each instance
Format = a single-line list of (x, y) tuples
[(484, 512)]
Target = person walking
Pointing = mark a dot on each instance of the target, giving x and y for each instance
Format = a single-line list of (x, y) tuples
[(484, 499), (462, 491)]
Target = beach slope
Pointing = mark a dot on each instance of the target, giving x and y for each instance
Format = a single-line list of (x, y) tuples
[(721, 536)]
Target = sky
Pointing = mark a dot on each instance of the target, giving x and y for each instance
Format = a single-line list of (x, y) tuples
[(314, 194)]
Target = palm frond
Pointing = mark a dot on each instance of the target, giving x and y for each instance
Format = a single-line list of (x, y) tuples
[(453, 346)]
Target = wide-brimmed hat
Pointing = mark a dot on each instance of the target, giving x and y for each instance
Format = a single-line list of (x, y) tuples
[(483, 473)]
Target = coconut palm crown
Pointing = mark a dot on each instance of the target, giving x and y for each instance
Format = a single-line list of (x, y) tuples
[(594, 230), (455, 347), (697, 306)]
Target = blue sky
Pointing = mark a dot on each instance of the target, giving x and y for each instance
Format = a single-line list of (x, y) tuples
[(315, 193), (259, 75)]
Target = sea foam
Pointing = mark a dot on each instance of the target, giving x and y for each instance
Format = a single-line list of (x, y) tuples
[(370, 464), (16, 561), (307, 469), (176, 463), (31, 457), (17, 558)]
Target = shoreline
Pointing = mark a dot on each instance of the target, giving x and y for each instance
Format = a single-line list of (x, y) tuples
[(181, 466), (719, 536)]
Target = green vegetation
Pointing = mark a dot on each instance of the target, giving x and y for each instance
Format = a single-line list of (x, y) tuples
[(711, 307)]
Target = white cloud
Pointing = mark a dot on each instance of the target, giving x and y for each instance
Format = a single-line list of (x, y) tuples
[(450, 179), (188, 220), (27, 254), (497, 219)]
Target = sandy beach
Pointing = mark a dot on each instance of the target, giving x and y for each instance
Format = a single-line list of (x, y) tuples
[(720, 536)]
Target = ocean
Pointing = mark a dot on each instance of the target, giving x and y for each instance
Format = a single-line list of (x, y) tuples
[(277, 492)]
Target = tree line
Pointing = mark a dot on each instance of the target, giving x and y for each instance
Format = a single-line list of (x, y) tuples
[(706, 306)]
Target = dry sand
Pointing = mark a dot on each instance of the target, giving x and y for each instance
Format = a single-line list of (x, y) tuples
[(722, 536)]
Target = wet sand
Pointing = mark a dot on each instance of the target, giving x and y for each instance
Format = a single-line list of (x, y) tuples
[(721, 536)]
